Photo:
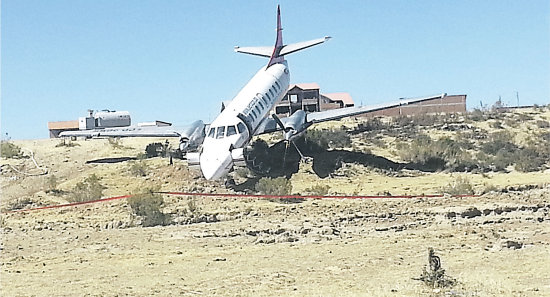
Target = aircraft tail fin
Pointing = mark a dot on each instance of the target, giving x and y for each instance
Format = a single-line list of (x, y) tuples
[(276, 53)]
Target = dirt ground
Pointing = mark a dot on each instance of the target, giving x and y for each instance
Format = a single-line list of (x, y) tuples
[(262, 248)]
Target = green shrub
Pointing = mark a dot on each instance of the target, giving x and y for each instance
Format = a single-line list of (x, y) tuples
[(139, 168), (19, 203), (528, 160), (319, 190), (87, 190), (66, 143), (460, 186), (156, 149), (10, 150), (274, 186), (147, 204), (496, 125), (498, 141), (476, 115), (543, 124), (440, 154), (51, 183), (115, 142), (323, 139)]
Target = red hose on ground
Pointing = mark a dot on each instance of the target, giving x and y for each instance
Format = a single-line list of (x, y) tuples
[(243, 196)]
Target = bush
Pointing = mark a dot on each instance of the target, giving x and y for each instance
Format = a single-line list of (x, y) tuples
[(496, 125), (543, 124), (476, 115), (319, 140), (156, 149), (436, 155), (115, 142), (147, 205), (51, 183), (274, 186), (528, 160), (19, 203), (319, 190), (460, 186), (66, 143), (10, 150), (87, 190), (139, 168), (498, 141)]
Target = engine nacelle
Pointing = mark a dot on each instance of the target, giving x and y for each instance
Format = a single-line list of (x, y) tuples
[(296, 124)]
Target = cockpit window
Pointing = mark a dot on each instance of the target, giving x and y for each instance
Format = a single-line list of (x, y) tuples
[(231, 130), (220, 133), (211, 132), (241, 127)]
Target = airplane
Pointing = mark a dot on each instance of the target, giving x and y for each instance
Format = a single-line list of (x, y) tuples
[(217, 147)]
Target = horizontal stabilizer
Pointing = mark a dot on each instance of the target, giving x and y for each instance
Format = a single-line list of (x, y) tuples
[(294, 47), (263, 51)]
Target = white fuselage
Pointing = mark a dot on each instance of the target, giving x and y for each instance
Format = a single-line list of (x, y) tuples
[(238, 122)]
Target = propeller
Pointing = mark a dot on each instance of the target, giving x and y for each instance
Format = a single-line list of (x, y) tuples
[(290, 132)]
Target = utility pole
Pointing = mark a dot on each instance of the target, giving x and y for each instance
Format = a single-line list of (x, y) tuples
[(517, 97)]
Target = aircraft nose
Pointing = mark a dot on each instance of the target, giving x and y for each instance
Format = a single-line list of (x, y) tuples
[(215, 164)]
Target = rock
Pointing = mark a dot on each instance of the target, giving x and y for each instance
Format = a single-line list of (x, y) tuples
[(451, 215), (511, 244), (471, 213)]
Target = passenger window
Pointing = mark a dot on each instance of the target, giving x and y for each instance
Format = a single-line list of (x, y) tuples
[(220, 133), (231, 130), (254, 113), (261, 104), (211, 132), (258, 110), (271, 92), (241, 127), (278, 85), (265, 100)]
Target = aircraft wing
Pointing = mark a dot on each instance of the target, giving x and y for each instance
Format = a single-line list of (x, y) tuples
[(294, 47), (262, 51), (269, 124), (140, 131), (335, 114)]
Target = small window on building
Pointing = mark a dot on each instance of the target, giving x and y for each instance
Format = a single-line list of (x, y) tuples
[(220, 132), (293, 98), (231, 130), (241, 127)]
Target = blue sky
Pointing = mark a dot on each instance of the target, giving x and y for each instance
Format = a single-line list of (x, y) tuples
[(174, 60)]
